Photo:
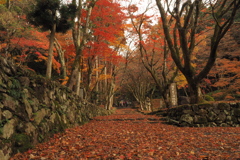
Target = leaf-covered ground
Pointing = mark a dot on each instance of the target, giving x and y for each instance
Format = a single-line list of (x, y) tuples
[(131, 135)]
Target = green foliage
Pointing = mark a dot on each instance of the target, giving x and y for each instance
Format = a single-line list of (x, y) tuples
[(61, 125), (43, 105), (208, 98), (14, 88), (237, 19), (215, 94), (14, 93), (49, 12), (43, 14), (31, 102), (3, 8), (10, 24), (17, 9), (15, 84), (66, 12), (60, 111), (40, 138)]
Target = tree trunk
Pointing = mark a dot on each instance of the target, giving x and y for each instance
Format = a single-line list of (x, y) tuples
[(61, 59), (195, 93), (105, 80), (50, 51), (110, 94), (187, 23), (80, 34), (165, 96), (141, 105), (97, 81), (8, 4), (78, 84)]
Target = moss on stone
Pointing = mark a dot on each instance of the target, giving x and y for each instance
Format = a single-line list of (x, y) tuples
[(208, 98), (40, 138), (61, 126), (22, 142)]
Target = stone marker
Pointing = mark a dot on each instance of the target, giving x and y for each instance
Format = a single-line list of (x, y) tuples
[(173, 94)]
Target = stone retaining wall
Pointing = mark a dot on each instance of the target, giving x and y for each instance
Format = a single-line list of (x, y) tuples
[(205, 115), (32, 109)]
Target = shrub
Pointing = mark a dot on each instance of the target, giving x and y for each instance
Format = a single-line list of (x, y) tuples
[(208, 98)]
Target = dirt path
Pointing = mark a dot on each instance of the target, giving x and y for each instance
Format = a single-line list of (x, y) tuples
[(131, 135)]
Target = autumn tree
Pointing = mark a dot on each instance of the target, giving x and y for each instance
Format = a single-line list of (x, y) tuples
[(81, 33), (154, 53), (223, 79), (54, 16), (106, 43), (186, 18), (137, 81), (97, 36)]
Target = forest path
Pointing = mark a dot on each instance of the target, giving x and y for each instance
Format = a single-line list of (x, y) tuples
[(128, 134)]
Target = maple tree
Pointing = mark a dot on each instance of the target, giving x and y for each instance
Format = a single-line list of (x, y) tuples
[(97, 45), (24, 45), (186, 16), (18, 41), (80, 33), (107, 41), (137, 81), (61, 57), (65, 48), (126, 134), (31, 51), (103, 48), (223, 79), (154, 52)]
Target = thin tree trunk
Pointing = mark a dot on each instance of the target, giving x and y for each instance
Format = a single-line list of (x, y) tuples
[(110, 96), (105, 73), (97, 85), (80, 34), (61, 59), (78, 84), (8, 4), (50, 51), (110, 91), (141, 105)]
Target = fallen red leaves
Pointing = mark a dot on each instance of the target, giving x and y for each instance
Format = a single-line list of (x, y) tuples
[(131, 135)]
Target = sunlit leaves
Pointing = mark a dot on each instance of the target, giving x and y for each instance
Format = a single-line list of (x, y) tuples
[(181, 81)]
